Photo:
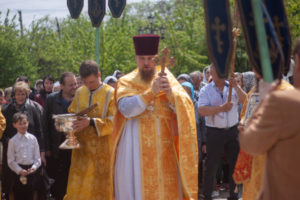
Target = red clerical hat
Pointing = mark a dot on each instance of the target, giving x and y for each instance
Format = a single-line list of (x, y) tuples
[(146, 44)]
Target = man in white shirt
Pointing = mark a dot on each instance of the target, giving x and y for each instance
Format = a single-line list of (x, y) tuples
[(23, 158), (221, 119)]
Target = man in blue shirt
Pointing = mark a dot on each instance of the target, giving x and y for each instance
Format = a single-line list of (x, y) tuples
[(221, 120)]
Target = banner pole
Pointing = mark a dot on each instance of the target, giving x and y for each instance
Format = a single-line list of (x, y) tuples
[(262, 41), (97, 45)]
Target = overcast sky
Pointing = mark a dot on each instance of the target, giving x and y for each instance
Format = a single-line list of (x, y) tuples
[(35, 9)]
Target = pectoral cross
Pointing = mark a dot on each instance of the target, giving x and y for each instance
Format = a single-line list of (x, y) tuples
[(218, 28), (164, 61)]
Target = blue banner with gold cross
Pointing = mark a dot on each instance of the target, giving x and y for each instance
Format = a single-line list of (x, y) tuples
[(276, 10), (96, 11), (247, 21), (116, 7), (219, 35), (75, 7)]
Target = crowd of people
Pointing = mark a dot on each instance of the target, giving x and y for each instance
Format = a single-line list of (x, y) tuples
[(152, 135), (39, 104)]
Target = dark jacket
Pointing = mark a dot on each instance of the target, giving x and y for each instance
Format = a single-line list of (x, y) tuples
[(52, 106), (37, 106)]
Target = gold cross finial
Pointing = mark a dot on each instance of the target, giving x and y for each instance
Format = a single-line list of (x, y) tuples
[(164, 60)]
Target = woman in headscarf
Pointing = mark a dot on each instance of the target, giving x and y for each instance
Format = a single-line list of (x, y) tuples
[(206, 73), (189, 89), (184, 78), (248, 81), (48, 82), (111, 80), (118, 74), (38, 86)]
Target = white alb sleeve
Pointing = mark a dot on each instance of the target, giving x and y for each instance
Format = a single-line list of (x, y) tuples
[(131, 106)]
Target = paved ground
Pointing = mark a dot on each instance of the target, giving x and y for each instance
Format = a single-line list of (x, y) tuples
[(222, 195)]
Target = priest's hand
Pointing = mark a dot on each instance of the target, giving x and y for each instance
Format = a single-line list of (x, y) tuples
[(165, 85), (156, 86), (161, 83), (81, 123)]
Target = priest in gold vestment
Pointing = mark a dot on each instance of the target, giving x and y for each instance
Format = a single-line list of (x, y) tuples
[(89, 172), (154, 139)]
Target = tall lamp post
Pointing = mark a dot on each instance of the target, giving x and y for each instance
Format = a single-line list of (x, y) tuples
[(150, 29)]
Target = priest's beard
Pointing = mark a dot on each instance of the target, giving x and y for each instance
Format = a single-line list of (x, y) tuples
[(147, 76)]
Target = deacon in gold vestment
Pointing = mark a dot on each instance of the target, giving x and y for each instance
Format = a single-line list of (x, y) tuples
[(2, 123), (89, 172), (153, 113), (249, 169)]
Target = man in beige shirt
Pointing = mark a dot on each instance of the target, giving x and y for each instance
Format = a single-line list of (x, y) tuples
[(275, 130)]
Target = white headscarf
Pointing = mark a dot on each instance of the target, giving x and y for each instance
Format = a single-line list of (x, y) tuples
[(248, 80), (108, 78), (204, 72)]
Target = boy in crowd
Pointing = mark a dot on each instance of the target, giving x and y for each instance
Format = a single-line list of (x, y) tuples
[(23, 158)]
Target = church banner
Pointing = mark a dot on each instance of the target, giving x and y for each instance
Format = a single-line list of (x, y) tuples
[(75, 7), (96, 11), (276, 10), (219, 35), (116, 7), (247, 21)]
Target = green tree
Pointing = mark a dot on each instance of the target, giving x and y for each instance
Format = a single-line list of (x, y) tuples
[(293, 14), (42, 49), (13, 52)]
